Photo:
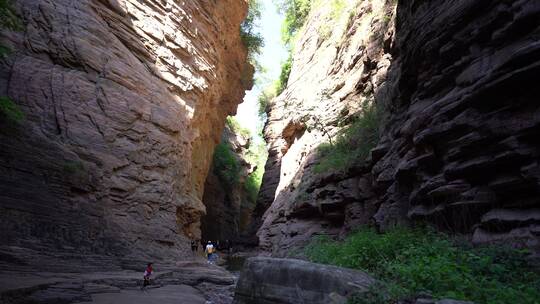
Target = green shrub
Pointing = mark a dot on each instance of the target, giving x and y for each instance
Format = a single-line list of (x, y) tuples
[(249, 32), (414, 261), (353, 144), (337, 8), (10, 111), (296, 13), (284, 75), (257, 155), (265, 97), (226, 165), (235, 126)]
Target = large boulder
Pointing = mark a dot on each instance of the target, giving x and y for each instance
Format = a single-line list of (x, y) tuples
[(281, 281)]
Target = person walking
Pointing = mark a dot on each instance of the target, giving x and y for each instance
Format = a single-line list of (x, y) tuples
[(194, 246), (209, 250), (146, 276)]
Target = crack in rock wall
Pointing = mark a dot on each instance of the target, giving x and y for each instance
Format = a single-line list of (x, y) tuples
[(460, 147), (124, 102)]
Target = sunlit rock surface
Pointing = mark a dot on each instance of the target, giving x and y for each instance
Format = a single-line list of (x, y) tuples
[(337, 66), (460, 148), (124, 103)]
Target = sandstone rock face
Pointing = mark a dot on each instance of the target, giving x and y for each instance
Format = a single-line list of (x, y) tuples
[(124, 102), (290, 281), (460, 145), (228, 209), (337, 65)]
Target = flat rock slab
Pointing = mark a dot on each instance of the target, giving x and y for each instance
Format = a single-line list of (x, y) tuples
[(173, 294), (185, 282)]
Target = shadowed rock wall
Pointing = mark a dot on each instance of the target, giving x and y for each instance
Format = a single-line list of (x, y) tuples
[(228, 207), (460, 148), (124, 103)]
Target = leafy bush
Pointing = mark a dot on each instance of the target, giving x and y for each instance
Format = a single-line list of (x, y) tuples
[(8, 18), (226, 165), (251, 37), (296, 13), (414, 261), (353, 144), (264, 99), (257, 155), (284, 75), (10, 111), (235, 126)]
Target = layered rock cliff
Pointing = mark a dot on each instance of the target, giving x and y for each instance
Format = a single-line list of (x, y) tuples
[(124, 102), (454, 81)]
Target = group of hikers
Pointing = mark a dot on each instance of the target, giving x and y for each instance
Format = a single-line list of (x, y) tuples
[(219, 245), (210, 250)]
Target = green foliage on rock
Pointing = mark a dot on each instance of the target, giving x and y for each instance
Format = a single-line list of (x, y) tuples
[(284, 75), (416, 261), (226, 165), (296, 13), (235, 126), (353, 144), (249, 32), (8, 18), (10, 111), (257, 156)]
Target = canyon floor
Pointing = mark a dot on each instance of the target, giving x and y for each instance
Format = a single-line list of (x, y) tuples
[(187, 282)]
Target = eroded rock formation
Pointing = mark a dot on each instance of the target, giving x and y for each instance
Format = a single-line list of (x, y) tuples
[(460, 148), (337, 65), (124, 101)]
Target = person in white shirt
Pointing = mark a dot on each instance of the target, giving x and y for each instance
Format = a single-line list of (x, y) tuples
[(210, 251)]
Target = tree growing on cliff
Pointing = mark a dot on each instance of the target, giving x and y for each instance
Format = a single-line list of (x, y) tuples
[(296, 13), (249, 31)]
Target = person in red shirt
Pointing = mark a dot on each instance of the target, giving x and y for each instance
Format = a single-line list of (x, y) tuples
[(146, 277)]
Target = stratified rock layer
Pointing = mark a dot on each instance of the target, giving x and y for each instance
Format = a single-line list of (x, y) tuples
[(460, 148), (337, 65), (124, 102)]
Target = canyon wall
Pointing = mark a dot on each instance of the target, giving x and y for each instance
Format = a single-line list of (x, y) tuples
[(228, 207), (454, 82), (124, 102)]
